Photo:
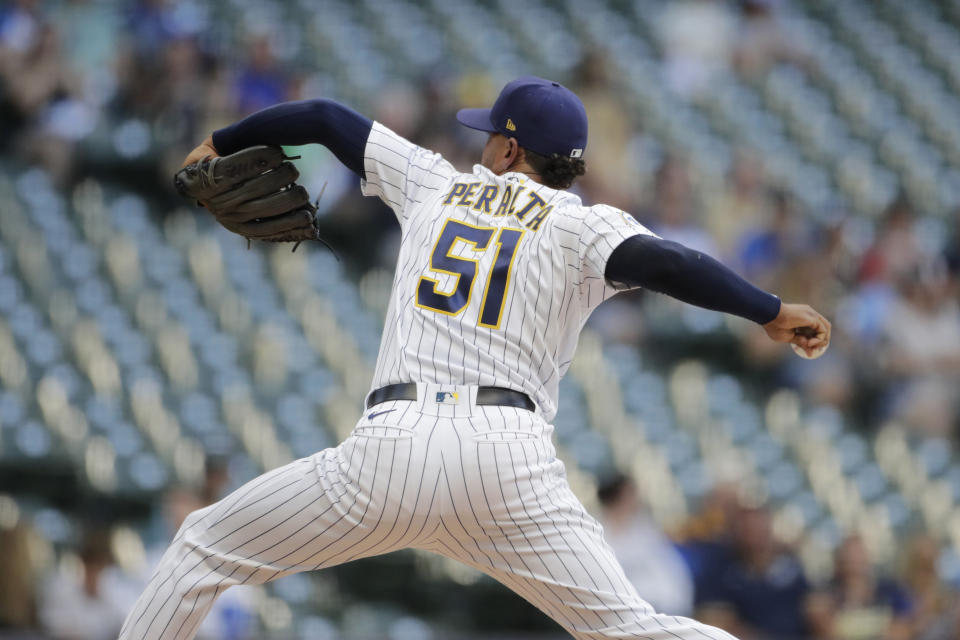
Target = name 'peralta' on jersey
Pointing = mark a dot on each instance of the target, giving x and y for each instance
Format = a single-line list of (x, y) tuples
[(496, 274)]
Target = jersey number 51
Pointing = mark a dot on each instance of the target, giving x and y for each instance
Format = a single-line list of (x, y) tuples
[(465, 270)]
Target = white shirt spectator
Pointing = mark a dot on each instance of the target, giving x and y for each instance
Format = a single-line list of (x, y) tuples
[(653, 565)]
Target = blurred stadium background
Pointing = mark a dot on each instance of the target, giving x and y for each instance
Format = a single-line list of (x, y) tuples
[(150, 362)]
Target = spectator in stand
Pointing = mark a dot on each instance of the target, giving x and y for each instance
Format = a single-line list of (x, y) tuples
[(897, 249), (216, 479), (19, 26), (706, 537), (936, 606), (260, 82), (864, 313), (673, 210), (921, 353), (613, 174), (951, 253), (47, 99), (742, 207), (859, 605), (76, 605), (651, 561), (763, 41), (777, 241), (698, 39), (18, 606), (714, 522), (758, 584), (186, 84), (161, 66), (151, 27)]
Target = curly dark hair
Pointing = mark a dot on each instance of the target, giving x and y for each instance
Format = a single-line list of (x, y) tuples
[(556, 171)]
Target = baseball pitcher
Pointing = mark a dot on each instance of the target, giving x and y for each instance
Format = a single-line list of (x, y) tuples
[(498, 271)]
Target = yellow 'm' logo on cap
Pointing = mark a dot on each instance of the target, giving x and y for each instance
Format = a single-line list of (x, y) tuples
[(510, 125)]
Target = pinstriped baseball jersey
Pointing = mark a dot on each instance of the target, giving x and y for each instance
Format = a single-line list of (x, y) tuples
[(496, 274)]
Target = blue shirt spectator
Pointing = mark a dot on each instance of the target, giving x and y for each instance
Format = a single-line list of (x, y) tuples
[(753, 575), (260, 83)]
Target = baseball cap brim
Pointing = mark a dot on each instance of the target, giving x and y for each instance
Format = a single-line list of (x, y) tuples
[(476, 119)]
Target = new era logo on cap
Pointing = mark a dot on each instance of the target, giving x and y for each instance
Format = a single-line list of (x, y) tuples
[(545, 117)]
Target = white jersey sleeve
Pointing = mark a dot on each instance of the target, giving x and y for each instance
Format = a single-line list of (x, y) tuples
[(603, 229), (401, 173)]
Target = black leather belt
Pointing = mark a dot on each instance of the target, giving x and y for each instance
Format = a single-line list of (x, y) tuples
[(498, 396)]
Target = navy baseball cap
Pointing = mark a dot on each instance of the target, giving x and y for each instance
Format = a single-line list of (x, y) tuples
[(543, 116)]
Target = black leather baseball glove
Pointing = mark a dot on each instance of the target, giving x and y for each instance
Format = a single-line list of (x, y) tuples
[(253, 193)]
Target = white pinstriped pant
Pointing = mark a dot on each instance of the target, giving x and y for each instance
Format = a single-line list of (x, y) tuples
[(478, 484)]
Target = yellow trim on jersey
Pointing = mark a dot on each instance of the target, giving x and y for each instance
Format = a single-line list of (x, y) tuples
[(534, 223), (513, 200), (484, 199), (535, 201), (454, 193), (504, 205), (506, 283), (471, 188), (475, 261)]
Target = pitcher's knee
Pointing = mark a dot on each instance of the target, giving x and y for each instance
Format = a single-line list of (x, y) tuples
[(620, 625), (195, 517), (182, 509)]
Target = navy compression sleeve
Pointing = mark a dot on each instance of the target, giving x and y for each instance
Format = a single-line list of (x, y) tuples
[(339, 128), (688, 275)]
